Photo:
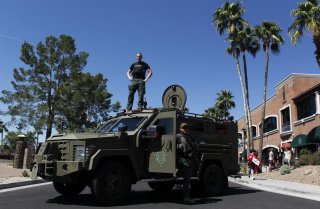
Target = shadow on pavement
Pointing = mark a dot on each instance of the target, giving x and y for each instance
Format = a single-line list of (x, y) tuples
[(235, 190), (136, 197), (147, 197)]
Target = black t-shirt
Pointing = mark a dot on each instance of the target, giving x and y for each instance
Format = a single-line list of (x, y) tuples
[(139, 70)]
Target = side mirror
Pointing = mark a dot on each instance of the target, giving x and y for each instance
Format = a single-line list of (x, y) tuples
[(154, 132)]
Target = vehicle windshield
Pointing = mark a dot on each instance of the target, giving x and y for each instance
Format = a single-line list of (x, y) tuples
[(113, 126)]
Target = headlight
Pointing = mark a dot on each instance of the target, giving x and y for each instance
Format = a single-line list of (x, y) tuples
[(79, 153)]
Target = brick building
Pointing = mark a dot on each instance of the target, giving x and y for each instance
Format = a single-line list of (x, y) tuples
[(292, 117)]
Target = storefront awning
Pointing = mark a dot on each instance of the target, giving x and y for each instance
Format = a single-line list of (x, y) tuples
[(314, 135), (301, 140)]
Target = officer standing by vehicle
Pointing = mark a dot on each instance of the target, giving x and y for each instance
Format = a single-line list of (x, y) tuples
[(137, 75), (185, 151)]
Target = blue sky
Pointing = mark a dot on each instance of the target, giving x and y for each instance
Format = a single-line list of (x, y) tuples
[(177, 39)]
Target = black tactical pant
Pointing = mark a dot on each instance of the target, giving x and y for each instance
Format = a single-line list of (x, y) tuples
[(136, 84), (185, 167)]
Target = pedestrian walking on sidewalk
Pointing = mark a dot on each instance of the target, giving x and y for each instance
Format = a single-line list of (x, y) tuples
[(271, 160)]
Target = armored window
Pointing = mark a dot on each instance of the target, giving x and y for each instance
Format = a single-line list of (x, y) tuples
[(167, 123), (131, 123), (106, 127)]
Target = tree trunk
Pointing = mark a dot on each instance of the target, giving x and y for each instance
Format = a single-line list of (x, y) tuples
[(249, 131), (243, 90), (316, 41), (263, 115)]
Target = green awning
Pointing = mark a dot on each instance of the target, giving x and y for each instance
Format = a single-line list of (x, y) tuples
[(314, 135), (301, 140)]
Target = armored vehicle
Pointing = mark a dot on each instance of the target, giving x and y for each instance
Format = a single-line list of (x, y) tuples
[(139, 145)]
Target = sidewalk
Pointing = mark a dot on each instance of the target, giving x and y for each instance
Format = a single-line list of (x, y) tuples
[(12, 177), (306, 191)]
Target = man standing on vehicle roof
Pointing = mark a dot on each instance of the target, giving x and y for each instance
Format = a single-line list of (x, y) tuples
[(137, 75), (185, 150)]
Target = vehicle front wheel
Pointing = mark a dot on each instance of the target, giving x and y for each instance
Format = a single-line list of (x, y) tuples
[(213, 180), (112, 184), (68, 189), (163, 186)]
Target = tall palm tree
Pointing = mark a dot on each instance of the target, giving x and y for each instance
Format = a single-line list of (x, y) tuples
[(307, 17), (228, 18), (213, 112), (271, 39), (247, 42), (225, 102)]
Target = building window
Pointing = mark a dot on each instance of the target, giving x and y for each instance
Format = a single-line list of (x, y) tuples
[(254, 131), (244, 134), (306, 107), (270, 124), (285, 120), (239, 135)]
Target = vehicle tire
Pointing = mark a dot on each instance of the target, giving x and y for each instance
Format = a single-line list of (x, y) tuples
[(68, 189), (163, 186), (111, 184), (213, 180)]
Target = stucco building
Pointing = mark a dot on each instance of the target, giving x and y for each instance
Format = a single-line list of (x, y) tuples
[(292, 117)]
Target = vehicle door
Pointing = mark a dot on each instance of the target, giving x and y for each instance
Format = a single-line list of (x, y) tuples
[(162, 158)]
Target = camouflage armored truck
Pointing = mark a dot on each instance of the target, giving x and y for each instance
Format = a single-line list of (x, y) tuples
[(139, 145)]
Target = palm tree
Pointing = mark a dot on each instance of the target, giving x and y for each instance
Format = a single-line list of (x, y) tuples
[(247, 42), (225, 102), (307, 17), (228, 18), (269, 35), (213, 112)]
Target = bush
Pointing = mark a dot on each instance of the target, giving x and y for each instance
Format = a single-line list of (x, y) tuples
[(244, 168), (296, 164), (304, 151), (285, 170), (304, 159), (25, 174), (314, 159)]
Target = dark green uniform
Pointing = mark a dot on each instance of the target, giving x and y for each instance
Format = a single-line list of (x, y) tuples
[(185, 152)]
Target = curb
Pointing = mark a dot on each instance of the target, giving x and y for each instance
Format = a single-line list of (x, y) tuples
[(22, 183), (276, 189)]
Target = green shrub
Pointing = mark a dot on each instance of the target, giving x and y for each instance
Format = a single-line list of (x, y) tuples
[(296, 164), (304, 151), (285, 170), (314, 159), (25, 174), (244, 168), (304, 159)]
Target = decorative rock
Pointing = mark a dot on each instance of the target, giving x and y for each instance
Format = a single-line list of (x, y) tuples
[(307, 172)]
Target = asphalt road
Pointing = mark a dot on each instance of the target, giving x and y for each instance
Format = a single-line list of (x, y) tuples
[(44, 197)]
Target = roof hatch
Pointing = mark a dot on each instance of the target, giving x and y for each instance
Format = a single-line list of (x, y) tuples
[(174, 97)]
